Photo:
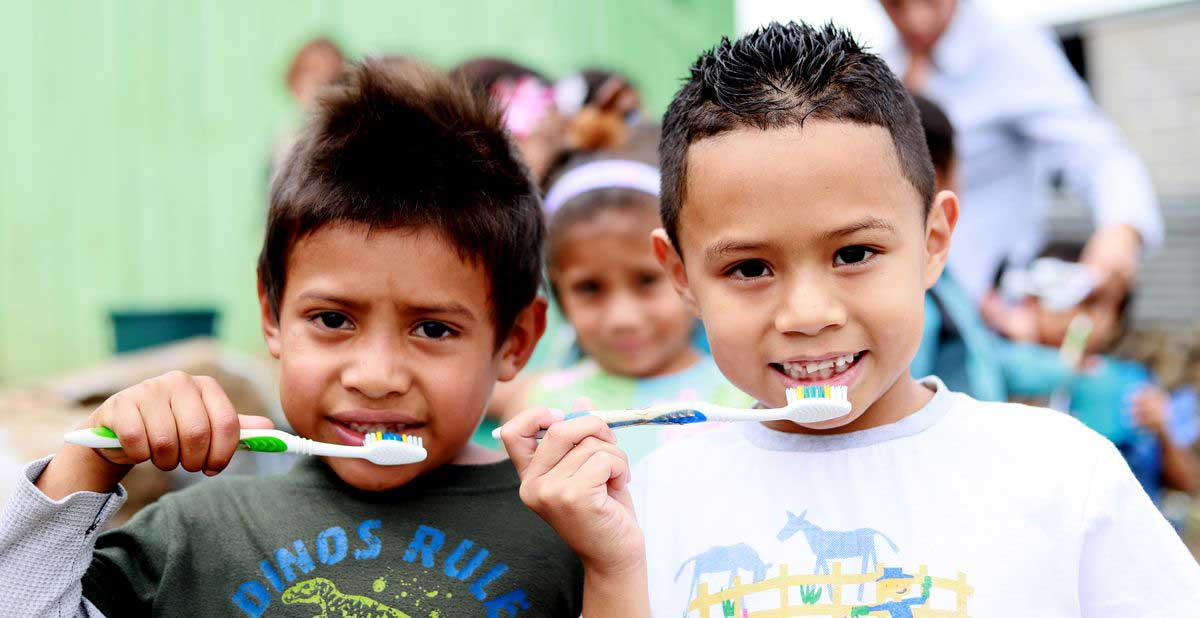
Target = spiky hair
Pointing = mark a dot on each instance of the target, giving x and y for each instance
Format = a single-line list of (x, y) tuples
[(780, 75)]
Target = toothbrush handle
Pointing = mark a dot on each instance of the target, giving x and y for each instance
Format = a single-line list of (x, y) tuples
[(260, 440), (680, 413)]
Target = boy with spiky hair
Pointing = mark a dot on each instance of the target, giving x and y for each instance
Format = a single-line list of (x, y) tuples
[(397, 283), (802, 224)]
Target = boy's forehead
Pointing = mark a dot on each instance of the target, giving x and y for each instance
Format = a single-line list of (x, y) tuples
[(819, 177), (409, 266)]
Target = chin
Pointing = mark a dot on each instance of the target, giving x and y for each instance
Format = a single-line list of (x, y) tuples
[(366, 476), (832, 423)]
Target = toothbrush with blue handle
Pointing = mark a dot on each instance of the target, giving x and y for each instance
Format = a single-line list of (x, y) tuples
[(384, 449), (805, 404)]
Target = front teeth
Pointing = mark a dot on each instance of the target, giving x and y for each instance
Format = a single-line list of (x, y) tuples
[(374, 427), (823, 369)]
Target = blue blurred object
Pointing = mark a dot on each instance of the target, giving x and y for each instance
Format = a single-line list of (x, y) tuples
[(138, 329)]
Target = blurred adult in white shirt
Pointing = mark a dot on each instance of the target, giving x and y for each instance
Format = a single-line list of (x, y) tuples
[(1020, 112)]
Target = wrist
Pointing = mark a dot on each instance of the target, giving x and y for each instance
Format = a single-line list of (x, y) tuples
[(77, 468)]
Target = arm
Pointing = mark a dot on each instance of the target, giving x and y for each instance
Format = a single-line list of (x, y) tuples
[(1061, 119), (46, 546), (1152, 408)]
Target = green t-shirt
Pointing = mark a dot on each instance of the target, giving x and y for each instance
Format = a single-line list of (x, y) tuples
[(455, 542)]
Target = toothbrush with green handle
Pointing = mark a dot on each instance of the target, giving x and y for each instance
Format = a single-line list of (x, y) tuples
[(385, 449)]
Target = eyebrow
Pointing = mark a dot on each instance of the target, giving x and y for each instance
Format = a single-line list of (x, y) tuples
[(726, 248), (448, 308), (330, 298), (864, 224), (451, 308)]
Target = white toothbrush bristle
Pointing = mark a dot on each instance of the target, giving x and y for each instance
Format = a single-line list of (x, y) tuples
[(814, 404), (393, 449)]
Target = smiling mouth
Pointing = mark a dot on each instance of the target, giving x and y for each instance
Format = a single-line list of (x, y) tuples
[(818, 370), (365, 428)]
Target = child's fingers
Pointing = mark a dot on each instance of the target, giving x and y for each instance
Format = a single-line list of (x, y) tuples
[(121, 415), (562, 438), (223, 421), (601, 468), (253, 421), (572, 462), (519, 435), (191, 423), (583, 402), (154, 405)]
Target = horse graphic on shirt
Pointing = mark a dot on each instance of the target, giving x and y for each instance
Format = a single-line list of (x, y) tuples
[(724, 559), (835, 545)]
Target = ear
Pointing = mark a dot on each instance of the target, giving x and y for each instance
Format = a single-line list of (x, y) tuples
[(522, 338), (672, 263), (939, 227), (270, 325)]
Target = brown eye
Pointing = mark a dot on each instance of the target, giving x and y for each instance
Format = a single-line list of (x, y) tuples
[(331, 319), (586, 288), (750, 269), (433, 330), (852, 255)]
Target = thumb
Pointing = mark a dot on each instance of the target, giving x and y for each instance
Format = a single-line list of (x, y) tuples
[(247, 421)]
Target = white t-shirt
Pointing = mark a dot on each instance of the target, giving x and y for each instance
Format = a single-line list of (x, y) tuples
[(963, 508)]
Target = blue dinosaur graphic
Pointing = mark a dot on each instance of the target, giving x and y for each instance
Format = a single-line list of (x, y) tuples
[(835, 545), (723, 559)]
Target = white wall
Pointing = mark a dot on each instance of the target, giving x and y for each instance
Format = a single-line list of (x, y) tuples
[(867, 20)]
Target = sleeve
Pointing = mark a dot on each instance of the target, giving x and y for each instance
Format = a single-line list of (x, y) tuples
[(1132, 562), (128, 563), (1183, 421), (46, 545), (1068, 128)]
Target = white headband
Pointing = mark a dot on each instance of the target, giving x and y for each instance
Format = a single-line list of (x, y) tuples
[(608, 174)]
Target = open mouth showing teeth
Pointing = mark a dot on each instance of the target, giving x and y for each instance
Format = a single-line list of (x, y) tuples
[(366, 428), (817, 370)]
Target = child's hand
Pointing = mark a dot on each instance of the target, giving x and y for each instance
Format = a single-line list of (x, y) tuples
[(1150, 407), (577, 480), (174, 419)]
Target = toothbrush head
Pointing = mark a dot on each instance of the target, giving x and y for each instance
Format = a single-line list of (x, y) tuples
[(393, 449), (814, 404)]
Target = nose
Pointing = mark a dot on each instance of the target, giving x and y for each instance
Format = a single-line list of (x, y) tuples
[(377, 368), (808, 308), (624, 312)]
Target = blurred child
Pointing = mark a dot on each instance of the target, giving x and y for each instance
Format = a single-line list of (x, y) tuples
[(317, 64), (530, 113), (1103, 390), (634, 331), (959, 349), (801, 220), (957, 345), (397, 284)]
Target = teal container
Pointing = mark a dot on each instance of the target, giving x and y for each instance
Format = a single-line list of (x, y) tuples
[(135, 330)]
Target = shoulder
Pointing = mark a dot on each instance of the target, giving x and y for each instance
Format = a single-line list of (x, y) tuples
[(1039, 436)]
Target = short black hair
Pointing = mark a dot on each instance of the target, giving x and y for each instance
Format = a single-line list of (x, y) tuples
[(778, 76), (939, 133), (395, 149)]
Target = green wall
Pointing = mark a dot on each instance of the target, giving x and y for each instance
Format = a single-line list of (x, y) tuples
[(134, 137)]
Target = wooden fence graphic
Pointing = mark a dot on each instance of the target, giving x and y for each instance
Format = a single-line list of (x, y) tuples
[(790, 591)]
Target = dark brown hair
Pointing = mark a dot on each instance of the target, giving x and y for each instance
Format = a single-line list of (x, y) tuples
[(939, 133), (411, 149), (779, 76)]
